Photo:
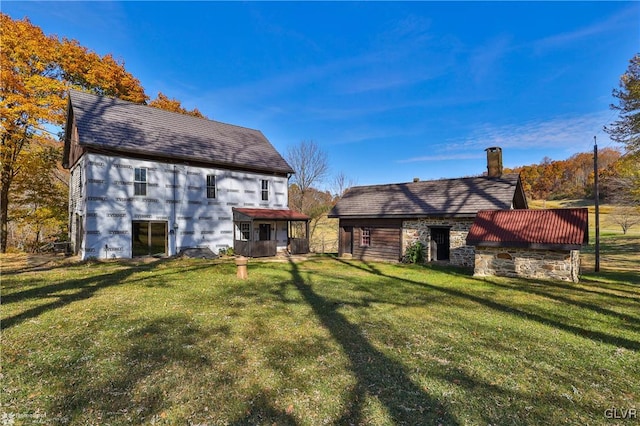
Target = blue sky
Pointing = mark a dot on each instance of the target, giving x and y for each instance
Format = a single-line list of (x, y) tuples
[(391, 91)]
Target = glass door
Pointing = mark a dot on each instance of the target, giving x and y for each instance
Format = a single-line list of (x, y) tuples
[(149, 238)]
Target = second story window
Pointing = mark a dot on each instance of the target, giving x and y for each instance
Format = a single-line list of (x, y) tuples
[(140, 181), (211, 186), (265, 190)]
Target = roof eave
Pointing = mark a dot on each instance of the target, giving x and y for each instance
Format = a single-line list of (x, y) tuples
[(401, 216), (98, 148), (515, 244), (67, 134)]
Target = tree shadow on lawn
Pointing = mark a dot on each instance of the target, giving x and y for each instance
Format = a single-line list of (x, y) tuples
[(263, 412), (131, 387), (624, 279), (82, 289), (590, 334), (546, 290), (68, 291), (377, 375)]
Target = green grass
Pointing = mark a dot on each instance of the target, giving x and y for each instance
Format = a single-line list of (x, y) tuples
[(324, 341)]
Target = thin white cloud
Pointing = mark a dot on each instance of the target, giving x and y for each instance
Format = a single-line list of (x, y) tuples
[(570, 133), (484, 61), (627, 16), (381, 66), (442, 157), (562, 132)]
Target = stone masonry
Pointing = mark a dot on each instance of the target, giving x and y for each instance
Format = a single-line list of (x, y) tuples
[(528, 263), (460, 253)]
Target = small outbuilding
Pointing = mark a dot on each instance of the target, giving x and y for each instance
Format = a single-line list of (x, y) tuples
[(529, 243), (379, 222)]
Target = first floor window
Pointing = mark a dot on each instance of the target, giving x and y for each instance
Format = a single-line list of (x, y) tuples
[(140, 181), (245, 231), (365, 237), (265, 190), (211, 186)]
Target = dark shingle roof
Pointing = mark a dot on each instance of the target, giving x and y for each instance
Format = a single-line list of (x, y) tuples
[(447, 197), (528, 228), (117, 125)]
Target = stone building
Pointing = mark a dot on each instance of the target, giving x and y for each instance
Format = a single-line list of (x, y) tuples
[(529, 243), (380, 221)]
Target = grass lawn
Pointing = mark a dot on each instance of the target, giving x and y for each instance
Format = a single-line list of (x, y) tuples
[(324, 341)]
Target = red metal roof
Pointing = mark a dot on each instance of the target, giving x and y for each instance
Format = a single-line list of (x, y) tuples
[(550, 227), (272, 214)]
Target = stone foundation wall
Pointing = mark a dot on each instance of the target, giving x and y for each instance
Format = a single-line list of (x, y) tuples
[(527, 263), (460, 254)]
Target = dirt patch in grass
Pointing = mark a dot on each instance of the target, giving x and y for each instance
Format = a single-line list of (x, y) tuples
[(15, 262)]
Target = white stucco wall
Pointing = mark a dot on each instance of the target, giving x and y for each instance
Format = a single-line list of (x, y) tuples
[(102, 194)]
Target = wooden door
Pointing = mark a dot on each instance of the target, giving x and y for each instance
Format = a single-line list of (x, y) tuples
[(346, 240)]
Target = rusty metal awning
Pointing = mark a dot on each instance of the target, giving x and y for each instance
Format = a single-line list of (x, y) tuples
[(246, 214)]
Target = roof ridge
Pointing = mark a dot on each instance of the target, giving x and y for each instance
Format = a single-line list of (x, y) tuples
[(432, 180), (164, 111)]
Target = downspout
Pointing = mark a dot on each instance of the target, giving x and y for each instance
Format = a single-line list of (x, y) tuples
[(289, 226), (173, 214)]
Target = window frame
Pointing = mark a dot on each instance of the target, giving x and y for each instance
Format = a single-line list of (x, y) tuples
[(264, 189), (244, 234), (365, 236), (212, 190), (140, 184)]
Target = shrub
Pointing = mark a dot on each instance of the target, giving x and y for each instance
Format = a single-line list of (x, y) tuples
[(414, 253), (226, 251)]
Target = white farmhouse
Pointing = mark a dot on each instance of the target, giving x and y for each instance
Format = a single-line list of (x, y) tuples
[(145, 181)]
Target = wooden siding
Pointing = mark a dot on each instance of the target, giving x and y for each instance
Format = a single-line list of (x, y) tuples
[(385, 244), (75, 150), (298, 245), (386, 239), (255, 248)]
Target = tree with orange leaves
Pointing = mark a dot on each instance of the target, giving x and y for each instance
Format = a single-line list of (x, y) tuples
[(36, 71), (163, 102)]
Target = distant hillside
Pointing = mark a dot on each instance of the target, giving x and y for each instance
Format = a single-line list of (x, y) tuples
[(564, 179)]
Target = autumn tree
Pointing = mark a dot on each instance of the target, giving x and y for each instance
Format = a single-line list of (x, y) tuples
[(36, 71), (621, 181), (626, 129), (311, 166), (624, 216), (163, 102), (39, 197)]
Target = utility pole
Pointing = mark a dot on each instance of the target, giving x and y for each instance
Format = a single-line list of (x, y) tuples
[(597, 196)]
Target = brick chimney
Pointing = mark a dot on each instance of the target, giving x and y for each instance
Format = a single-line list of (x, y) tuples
[(494, 161)]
